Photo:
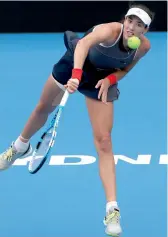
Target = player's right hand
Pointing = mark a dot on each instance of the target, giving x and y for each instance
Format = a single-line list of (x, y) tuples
[(72, 85)]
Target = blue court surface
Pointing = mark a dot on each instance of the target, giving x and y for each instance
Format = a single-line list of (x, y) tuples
[(66, 198)]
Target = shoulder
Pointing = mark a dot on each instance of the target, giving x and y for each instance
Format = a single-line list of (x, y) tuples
[(111, 29), (102, 33), (111, 26), (144, 47)]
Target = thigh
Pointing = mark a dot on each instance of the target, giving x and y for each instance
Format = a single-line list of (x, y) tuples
[(62, 70), (51, 93), (101, 116)]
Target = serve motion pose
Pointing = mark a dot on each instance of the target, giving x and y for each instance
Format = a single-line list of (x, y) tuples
[(93, 66)]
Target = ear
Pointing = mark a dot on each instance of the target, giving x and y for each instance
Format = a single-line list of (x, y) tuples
[(146, 30)]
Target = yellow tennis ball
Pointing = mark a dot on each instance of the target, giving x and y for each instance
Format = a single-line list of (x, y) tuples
[(133, 42)]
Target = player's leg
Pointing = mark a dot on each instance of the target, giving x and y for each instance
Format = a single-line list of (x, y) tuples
[(51, 96), (101, 117)]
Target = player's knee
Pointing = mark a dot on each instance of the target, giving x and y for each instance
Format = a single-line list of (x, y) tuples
[(103, 142), (44, 108)]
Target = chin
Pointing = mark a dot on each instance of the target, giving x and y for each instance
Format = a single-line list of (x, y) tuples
[(125, 36)]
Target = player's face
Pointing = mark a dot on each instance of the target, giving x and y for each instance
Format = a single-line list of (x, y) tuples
[(133, 26)]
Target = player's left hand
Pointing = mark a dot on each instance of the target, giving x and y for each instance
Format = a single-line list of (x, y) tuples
[(104, 84)]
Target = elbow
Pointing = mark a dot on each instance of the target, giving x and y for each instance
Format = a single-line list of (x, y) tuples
[(83, 44), (125, 71)]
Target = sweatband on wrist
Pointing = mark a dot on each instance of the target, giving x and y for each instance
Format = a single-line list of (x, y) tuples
[(112, 78), (77, 73)]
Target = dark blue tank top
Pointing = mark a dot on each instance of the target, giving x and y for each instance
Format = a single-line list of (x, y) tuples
[(111, 57)]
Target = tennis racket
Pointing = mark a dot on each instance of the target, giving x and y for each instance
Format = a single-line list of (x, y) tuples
[(45, 144)]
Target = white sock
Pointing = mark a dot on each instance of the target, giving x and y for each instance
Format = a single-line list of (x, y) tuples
[(111, 204), (21, 146)]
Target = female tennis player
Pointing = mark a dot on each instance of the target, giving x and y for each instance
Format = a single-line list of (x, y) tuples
[(93, 66)]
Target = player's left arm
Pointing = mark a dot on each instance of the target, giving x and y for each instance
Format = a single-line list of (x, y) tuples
[(142, 51)]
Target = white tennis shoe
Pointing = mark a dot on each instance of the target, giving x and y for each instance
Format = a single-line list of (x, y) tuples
[(8, 157)]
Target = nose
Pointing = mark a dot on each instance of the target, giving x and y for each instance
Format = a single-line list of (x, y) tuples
[(131, 27)]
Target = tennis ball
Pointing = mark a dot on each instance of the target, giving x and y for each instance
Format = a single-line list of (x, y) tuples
[(133, 42)]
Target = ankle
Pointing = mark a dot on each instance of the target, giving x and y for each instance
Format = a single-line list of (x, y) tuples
[(20, 145), (25, 140), (111, 204)]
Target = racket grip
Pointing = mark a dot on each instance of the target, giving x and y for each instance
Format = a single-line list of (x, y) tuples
[(64, 98)]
